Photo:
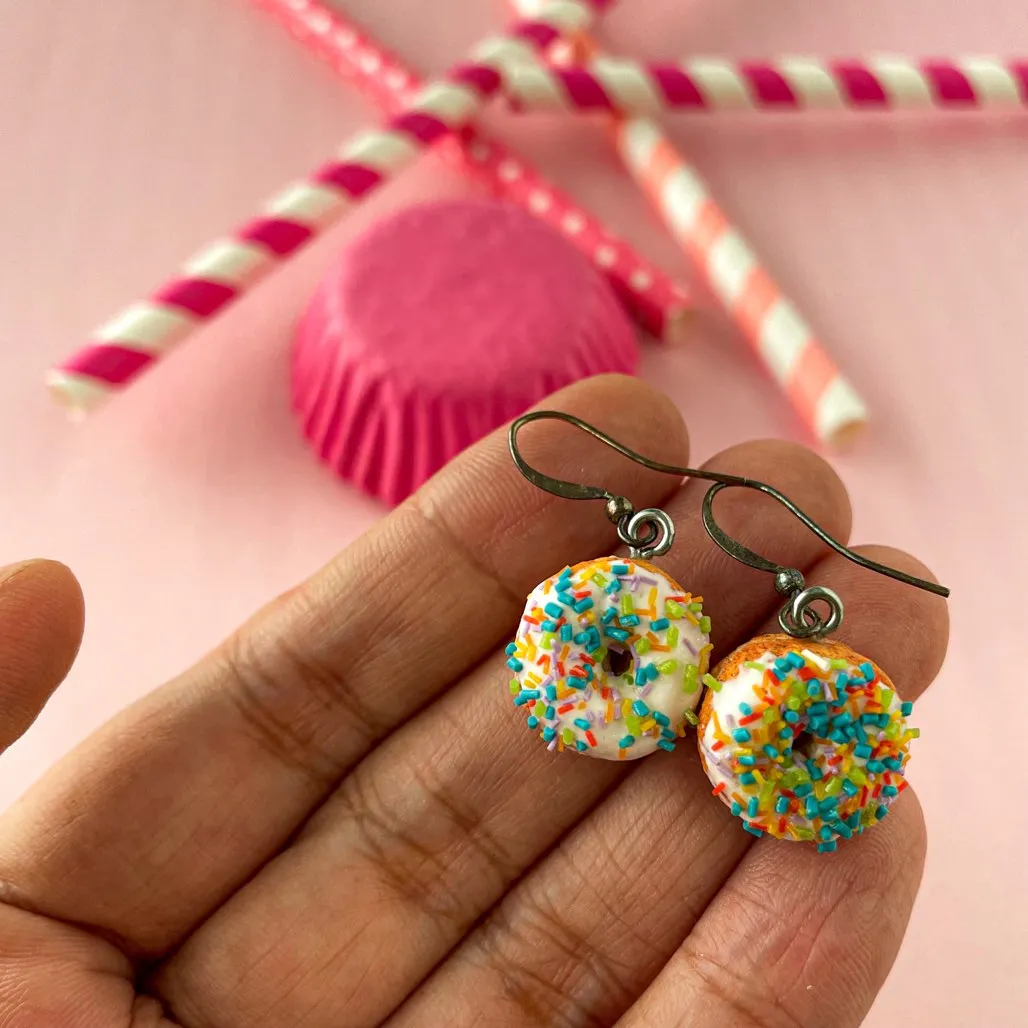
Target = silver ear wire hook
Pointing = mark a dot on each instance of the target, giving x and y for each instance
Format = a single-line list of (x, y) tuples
[(650, 532)]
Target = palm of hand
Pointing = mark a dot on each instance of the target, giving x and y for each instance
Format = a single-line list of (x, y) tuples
[(337, 818)]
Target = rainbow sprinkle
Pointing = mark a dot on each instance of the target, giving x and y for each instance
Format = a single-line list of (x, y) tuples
[(609, 659), (803, 748)]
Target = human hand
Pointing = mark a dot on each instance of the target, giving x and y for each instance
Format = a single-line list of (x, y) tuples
[(338, 819)]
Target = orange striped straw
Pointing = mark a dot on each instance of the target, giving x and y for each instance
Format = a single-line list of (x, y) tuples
[(783, 341), (781, 338)]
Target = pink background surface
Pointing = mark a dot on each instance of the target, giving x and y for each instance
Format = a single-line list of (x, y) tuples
[(134, 131)]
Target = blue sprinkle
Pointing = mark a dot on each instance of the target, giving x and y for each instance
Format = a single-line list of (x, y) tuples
[(785, 733), (549, 626), (532, 721), (814, 687), (520, 700), (781, 805), (770, 750), (883, 720), (640, 708), (818, 709), (758, 832), (890, 790), (515, 665), (746, 709), (620, 569), (608, 615), (795, 660), (581, 637), (811, 807), (849, 788), (580, 722), (530, 694), (781, 664), (665, 744), (893, 763), (550, 713), (566, 573), (842, 681), (667, 733), (555, 610), (803, 789), (625, 741), (747, 761), (580, 746), (617, 633), (629, 619), (868, 671), (660, 624), (843, 829), (907, 708), (876, 767), (741, 735), (881, 811), (548, 733), (826, 833), (736, 809), (747, 778), (839, 737), (780, 675), (613, 586), (752, 807), (662, 719), (828, 805), (584, 604), (566, 631), (854, 821), (511, 649), (791, 716), (551, 693), (862, 751), (860, 733), (827, 847)]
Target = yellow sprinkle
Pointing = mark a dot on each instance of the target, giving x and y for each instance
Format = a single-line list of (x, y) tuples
[(647, 724), (705, 658), (609, 715)]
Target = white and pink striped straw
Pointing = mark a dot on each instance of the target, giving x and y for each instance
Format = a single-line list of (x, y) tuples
[(657, 303), (229, 267), (873, 83)]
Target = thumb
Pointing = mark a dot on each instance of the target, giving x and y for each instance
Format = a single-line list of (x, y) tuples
[(41, 615)]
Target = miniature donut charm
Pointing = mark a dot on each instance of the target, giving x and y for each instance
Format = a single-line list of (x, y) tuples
[(609, 658), (804, 740)]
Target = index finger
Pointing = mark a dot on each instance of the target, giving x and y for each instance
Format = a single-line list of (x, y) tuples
[(168, 809)]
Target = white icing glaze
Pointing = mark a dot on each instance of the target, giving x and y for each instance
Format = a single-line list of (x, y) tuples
[(670, 634), (856, 767)]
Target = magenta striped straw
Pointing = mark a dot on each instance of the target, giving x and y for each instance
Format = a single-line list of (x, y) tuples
[(875, 83), (228, 268)]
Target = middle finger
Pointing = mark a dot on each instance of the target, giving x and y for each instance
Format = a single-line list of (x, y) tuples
[(431, 829)]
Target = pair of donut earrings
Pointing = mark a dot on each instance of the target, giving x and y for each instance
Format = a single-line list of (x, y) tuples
[(802, 738)]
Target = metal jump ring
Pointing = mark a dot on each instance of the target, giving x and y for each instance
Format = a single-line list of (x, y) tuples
[(799, 619), (659, 533)]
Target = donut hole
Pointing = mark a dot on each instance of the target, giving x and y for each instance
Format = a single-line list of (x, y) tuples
[(618, 661), (803, 746)]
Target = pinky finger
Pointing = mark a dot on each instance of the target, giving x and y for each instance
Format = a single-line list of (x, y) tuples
[(794, 940)]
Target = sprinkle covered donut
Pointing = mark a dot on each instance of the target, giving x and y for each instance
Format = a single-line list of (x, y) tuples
[(806, 741), (609, 658)]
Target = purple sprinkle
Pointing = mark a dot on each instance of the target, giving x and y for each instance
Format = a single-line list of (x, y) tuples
[(646, 688), (551, 745), (646, 580)]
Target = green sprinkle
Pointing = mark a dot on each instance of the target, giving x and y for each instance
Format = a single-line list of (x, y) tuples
[(695, 608), (769, 715), (672, 636), (568, 736), (834, 787), (599, 580), (690, 716), (838, 664), (539, 709), (712, 683), (632, 723), (642, 647), (666, 667), (692, 678), (754, 665), (887, 696), (627, 606), (673, 610), (804, 834), (794, 703), (705, 625), (515, 687), (791, 779)]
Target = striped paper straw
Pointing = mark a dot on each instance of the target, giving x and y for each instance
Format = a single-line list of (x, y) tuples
[(228, 268), (875, 83), (782, 339), (658, 304)]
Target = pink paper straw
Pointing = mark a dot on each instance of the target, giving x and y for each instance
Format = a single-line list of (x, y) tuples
[(229, 267), (657, 303), (876, 83)]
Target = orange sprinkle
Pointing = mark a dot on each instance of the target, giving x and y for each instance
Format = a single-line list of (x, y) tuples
[(609, 715), (719, 788)]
